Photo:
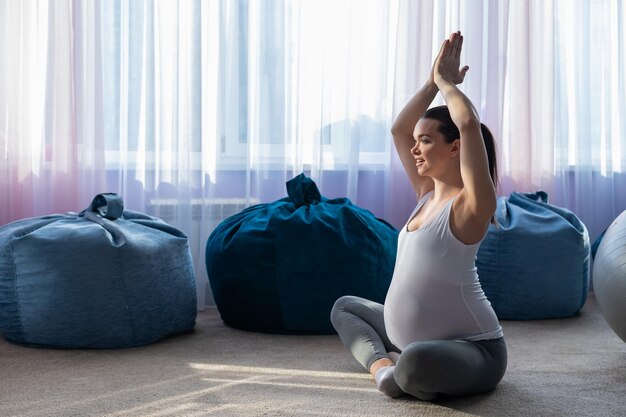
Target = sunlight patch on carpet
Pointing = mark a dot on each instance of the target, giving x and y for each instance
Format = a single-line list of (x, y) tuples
[(290, 384), (277, 371)]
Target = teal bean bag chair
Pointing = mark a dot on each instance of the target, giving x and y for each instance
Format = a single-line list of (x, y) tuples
[(105, 278), (535, 263), (279, 267)]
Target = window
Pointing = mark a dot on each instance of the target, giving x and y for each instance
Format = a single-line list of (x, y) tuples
[(298, 82)]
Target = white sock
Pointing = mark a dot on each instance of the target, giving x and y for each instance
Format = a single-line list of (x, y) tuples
[(394, 356), (386, 382)]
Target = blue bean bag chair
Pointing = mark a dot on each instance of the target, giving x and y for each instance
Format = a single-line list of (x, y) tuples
[(279, 267), (535, 263), (105, 278), (596, 245)]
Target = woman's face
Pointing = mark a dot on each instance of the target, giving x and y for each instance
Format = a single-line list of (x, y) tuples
[(431, 151)]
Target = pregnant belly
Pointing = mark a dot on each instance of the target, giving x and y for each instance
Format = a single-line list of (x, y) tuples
[(439, 314)]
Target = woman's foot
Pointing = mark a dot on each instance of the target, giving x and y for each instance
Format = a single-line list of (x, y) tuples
[(379, 363), (382, 371), (386, 382)]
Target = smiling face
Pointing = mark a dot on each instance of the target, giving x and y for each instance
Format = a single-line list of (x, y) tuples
[(432, 153)]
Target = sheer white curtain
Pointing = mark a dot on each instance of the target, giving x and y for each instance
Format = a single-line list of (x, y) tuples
[(192, 110), (563, 125)]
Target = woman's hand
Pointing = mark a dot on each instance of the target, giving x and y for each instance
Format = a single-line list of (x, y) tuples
[(447, 63)]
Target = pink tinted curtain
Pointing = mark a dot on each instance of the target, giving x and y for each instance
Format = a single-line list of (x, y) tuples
[(38, 119)]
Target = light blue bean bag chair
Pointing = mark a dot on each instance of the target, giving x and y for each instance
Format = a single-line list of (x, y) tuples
[(105, 278), (535, 263), (279, 267)]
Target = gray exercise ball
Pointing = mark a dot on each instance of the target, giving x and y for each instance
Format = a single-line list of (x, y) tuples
[(609, 276)]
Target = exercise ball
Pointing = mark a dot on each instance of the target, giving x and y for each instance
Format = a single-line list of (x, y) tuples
[(609, 276)]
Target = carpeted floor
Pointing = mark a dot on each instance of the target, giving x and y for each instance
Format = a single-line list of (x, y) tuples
[(570, 367)]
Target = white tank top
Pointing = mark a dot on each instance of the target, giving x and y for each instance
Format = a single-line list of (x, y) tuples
[(435, 293)]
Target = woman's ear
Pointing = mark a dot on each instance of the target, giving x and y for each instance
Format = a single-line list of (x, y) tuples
[(455, 148)]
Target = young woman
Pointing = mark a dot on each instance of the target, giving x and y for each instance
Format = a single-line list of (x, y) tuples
[(437, 332)]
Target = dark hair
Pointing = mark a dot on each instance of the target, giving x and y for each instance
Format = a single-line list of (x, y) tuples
[(449, 130)]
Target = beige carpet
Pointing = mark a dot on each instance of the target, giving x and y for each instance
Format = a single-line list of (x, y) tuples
[(564, 367)]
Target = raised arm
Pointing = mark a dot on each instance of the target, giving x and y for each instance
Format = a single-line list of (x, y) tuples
[(478, 198), (402, 131), (404, 126)]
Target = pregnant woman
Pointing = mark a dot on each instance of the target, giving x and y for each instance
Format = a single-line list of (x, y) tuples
[(437, 332)]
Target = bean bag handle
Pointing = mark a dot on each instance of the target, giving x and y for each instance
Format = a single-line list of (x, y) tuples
[(107, 205), (303, 191)]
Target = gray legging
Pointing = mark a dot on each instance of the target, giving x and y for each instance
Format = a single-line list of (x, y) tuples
[(425, 369)]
